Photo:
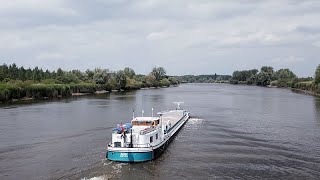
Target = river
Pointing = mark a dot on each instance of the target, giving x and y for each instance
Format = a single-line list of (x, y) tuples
[(236, 132)]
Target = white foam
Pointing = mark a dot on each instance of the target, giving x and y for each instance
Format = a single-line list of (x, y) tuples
[(104, 177), (195, 121)]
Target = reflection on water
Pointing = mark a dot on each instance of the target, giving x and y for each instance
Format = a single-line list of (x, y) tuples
[(236, 132)]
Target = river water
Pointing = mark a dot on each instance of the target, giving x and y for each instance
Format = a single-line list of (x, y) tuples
[(236, 132)]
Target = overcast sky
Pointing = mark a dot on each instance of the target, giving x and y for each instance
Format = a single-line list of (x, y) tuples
[(184, 36)]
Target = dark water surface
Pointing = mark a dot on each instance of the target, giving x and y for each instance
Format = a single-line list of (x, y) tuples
[(237, 132)]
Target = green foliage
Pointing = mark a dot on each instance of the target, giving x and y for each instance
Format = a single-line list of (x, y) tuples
[(317, 88), (50, 81), (263, 79), (173, 80), (159, 73), (281, 78), (121, 80), (133, 84), (67, 78), (129, 72), (306, 85), (164, 82), (284, 74), (101, 76), (202, 78), (268, 70), (18, 82), (317, 75), (245, 76), (151, 81)]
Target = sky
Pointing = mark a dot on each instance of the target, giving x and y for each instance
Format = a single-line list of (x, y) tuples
[(183, 36)]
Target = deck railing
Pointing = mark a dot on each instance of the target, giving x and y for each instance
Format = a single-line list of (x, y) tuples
[(127, 145)]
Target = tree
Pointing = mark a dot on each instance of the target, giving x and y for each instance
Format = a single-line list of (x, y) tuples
[(173, 80), (101, 76), (68, 78), (3, 72), (247, 76), (317, 75), (284, 74), (60, 72), (269, 70), (165, 82), (78, 73), (89, 75), (129, 72), (151, 80), (121, 80), (159, 73), (263, 79), (13, 71)]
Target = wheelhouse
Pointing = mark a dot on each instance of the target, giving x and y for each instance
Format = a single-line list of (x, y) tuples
[(145, 121)]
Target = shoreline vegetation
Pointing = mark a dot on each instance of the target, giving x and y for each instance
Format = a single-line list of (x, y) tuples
[(282, 78), (266, 77), (18, 83)]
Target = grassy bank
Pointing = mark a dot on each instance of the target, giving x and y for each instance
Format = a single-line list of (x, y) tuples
[(308, 87), (25, 90), (283, 78), (20, 83)]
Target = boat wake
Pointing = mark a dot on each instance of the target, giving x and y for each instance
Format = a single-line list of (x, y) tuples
[(195, 121), (104, 177), (115, 168)]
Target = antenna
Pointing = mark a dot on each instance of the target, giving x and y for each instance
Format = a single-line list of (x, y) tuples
[(178, 104), (133, 113), (152, 112)]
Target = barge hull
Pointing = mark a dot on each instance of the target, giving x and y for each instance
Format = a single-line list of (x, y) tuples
[(129, 156)]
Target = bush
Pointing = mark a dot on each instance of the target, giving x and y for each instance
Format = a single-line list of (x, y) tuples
[(164, 82), (317, 88), (133, 84), (307, 85)]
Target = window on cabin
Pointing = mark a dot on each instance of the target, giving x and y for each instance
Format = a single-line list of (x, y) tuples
[(157, 136), (117, 144), (151, 139)]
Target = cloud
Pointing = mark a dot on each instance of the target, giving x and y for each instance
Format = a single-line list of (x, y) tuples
[(158, 35), (289, 60), (220, 35)]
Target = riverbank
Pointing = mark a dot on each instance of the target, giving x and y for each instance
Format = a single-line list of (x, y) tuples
[(305, 92), (301, 91), (16, 93)]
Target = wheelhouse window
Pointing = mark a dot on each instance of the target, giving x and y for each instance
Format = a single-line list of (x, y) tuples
[(142, 123), (117, 144), (151, 139), (157, 136)]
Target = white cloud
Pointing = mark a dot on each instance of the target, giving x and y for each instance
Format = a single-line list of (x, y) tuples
[(58, 7), (223, 35), (289, 60), (158, 35), (49, 56)]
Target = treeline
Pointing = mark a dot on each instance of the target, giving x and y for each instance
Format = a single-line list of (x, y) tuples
[(18, 82), (280, 78), (204, 78)]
